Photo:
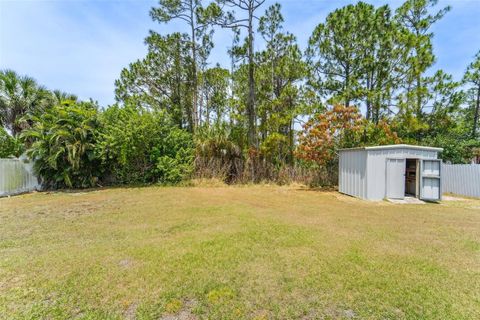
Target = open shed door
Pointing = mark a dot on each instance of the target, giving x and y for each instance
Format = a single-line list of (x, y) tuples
[(395, 178), (430, 180)]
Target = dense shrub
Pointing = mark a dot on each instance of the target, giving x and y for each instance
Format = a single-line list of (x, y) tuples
[(217, 155), (9, 146), (62, 145), (455, 150), (76, 146), (139, 146)]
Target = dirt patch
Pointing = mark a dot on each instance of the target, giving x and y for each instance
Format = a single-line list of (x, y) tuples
[(452, 198), (130, 313), (349, 314), (407, 200), (335, 313), (184, 314), (125, 263)]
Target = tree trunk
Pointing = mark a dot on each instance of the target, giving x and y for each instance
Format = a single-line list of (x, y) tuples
[(476, 115), (207, 112), (252, 141), (232, 107), (418, 77), (368, 102), (419, 98), (347, 86), (178, 94), (378, 105), (195, 116), (291, 140)]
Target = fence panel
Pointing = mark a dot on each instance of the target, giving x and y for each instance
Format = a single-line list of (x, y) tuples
[(16, 176), (461, 179)]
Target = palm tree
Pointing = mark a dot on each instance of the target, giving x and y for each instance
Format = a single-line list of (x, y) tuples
[(19, 96), (62, 143), (59, 97)]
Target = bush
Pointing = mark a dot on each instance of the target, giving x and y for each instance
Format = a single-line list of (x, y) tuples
[(9, 146), (217, 155), (139, 146), (62, 145), (455, 149), (174, 156)]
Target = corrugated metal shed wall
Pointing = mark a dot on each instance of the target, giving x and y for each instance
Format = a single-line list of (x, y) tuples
[(362, 172), (376, 167), (461, 179), (352, 173), (16, 176)]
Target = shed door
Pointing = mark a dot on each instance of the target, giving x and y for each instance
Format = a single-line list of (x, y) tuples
[(396, 178), (430, 180)]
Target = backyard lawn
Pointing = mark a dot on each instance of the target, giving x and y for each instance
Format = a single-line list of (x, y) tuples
[(256, 252)]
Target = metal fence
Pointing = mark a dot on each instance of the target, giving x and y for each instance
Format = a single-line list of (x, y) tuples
[(16, 176), (461, 179)]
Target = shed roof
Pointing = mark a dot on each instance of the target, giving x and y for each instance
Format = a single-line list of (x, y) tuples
[(396, 146)]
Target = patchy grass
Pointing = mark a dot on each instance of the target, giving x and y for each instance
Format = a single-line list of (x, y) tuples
[(257, 252)]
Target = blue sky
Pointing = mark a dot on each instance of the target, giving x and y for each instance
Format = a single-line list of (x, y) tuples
[(80, 46)]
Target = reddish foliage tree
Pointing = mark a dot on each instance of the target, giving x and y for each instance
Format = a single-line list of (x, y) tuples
[(340, 127), (380, 133), (326, 132)]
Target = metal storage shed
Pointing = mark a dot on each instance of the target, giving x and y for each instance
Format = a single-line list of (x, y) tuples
[(391, 171)]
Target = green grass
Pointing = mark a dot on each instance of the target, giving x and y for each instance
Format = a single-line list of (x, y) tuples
[(256, 252)]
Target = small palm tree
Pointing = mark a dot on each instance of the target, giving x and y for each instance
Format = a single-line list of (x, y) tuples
[(62, 143)]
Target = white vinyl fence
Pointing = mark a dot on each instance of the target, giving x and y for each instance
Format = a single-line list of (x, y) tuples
[(461, 179), (16, 176)]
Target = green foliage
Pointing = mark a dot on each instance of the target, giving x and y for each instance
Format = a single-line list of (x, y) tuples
[(444, 99), (214, 83), (472, 80), (217, 141), (455, 149), (174, 156), (139, 146), (337, 52), (20, 96), (9, 146), (415, 19), (232, 20), (62, 145), (173, 170), (217, 153), (245, 120), (199, 20), (380, 133), (279, 74), (162, 80)]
